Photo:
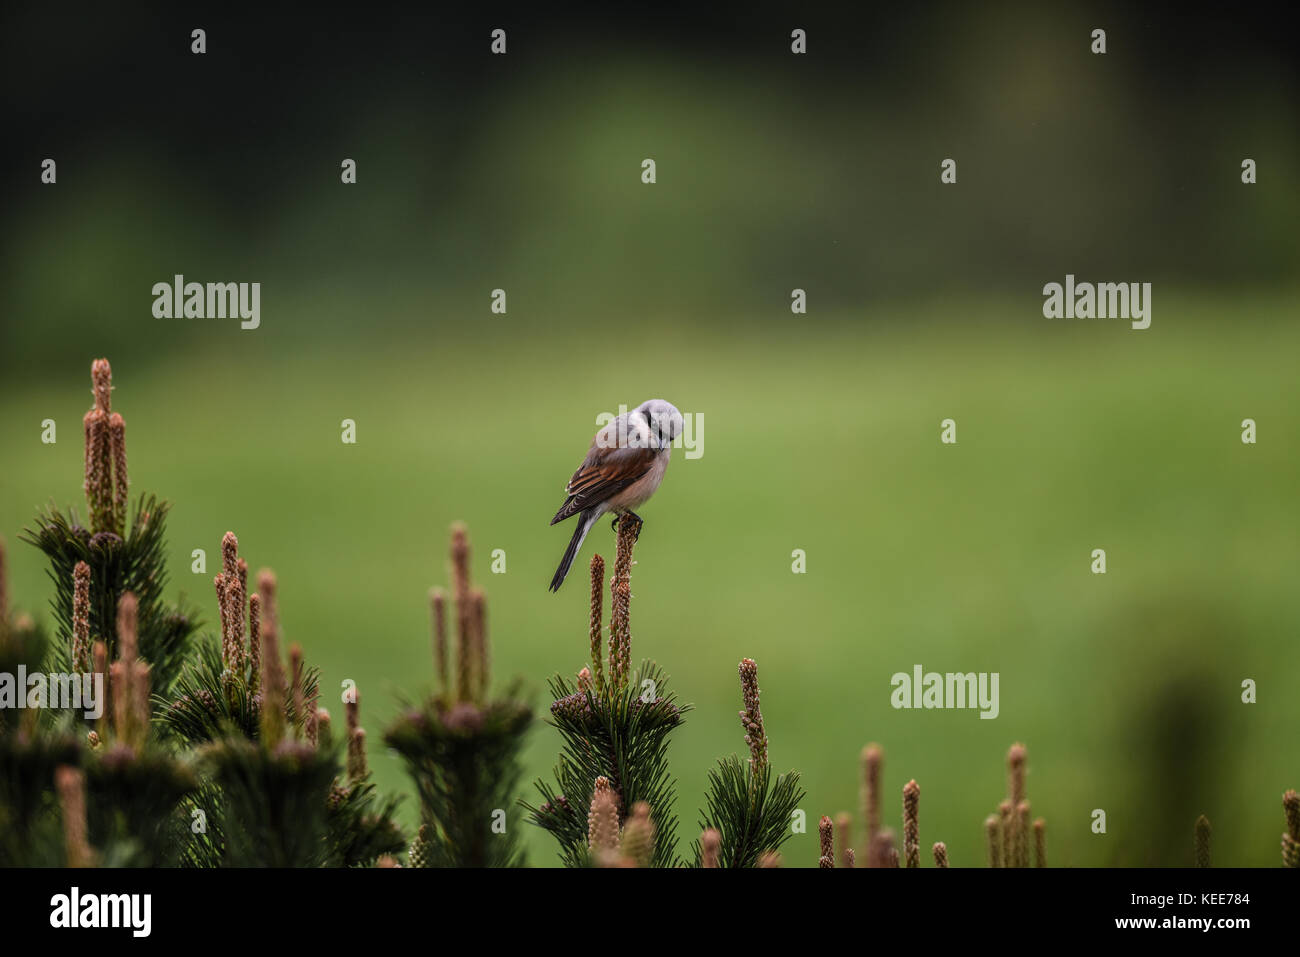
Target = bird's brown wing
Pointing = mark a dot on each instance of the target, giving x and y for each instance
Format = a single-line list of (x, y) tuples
[(604, 473)]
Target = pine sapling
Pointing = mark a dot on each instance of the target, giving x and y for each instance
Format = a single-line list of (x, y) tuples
[(749, 807), (278, 795), (612, 724), (462, 746), (133, 788), (360, 823), (120, 553)]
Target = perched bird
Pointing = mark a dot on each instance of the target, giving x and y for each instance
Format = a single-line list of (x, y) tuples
[(622, 469)]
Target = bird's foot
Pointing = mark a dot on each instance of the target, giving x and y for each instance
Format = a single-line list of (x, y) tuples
[(634, 523)]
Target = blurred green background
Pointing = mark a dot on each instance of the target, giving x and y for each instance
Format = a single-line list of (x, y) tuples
[(821, 431)]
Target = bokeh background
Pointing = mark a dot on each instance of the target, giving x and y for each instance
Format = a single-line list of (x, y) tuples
[(821, 431)]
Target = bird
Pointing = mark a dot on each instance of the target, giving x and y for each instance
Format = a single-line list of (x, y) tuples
[(623, 468)]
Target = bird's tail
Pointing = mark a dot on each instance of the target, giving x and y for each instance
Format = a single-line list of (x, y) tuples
[(585, 521)]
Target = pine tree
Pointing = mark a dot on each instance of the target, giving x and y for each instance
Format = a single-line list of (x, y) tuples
[(133, 785), (614, 724), (461, 746), (122, 554), (228, 762), (115, 630), (744, 804), (277, 792)]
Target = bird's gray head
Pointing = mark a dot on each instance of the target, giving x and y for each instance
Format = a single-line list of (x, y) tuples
[(664, 420)]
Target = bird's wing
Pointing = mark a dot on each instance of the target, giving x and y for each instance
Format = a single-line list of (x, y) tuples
[(604, 473)]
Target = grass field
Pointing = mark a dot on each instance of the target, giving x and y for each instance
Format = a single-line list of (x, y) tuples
[(975, 557)]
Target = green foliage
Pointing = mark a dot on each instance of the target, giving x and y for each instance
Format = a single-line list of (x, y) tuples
[(134, 802), (247, 792), (25, 647), (464, 759), (203, 846), (203, 707), (136, 564), (752, 814), (623, 738), (210, 792), (30, 834), (273, 808), (32, 744), (278, 806), (360, 826)]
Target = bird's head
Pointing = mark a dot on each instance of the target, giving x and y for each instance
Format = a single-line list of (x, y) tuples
[(664, 420)]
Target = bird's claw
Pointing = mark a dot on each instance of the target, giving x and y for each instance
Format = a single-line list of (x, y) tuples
[(631, 517)]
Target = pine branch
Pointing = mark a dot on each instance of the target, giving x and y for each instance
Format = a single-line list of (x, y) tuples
[(274, 801), (361, 827), (751, 820), (751, 812), (136, 564), (461, 747), (29, 831), (135, 800), (623, 738), (204, 709), (464, 759), (121, 557)]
